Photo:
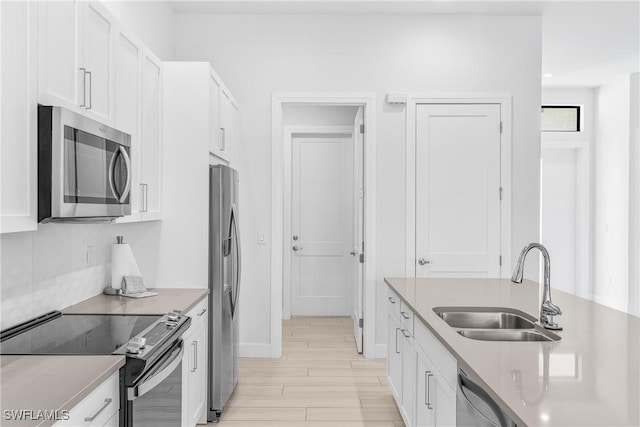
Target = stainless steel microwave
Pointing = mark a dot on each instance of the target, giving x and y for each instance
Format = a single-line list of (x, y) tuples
[(84, 168)]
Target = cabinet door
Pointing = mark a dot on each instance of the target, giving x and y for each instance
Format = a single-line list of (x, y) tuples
[(394, 359), (18, 121), (226, 123), (197, 375), (96, 40), (59, 76), (151, 166), (127, 95), (408, 375), (215, 133), (435, 399)]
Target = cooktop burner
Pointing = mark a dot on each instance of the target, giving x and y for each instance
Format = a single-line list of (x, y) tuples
[(82, 334)]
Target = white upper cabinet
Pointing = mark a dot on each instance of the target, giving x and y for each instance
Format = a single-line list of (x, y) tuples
[(75, 57), (229, 123), (96, 60), (215, 132), (18, 118), (151, 143)]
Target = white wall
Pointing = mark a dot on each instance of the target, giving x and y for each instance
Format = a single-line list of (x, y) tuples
[(634, 196), (260, 55), (152, 21), (611, 190), (318, 115)]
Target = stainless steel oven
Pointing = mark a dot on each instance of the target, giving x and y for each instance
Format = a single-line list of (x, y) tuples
[(155, 400), (84, 168)]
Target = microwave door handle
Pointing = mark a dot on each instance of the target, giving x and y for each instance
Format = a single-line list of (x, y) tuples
[(127, 162), (162, 373), (465, 383), (112, 166)]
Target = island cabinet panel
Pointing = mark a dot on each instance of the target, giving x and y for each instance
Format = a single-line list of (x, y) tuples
[(421, 372)]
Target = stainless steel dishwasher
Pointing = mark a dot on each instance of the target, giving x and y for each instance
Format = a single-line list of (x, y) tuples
[(475, 408)]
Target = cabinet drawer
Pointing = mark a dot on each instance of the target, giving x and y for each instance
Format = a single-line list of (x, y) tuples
[(406, 317), (444, 362), (97, 408), (198, 314), (393, 303)]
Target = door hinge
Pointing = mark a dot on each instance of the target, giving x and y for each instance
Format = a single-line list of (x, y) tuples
[(500, 260), (361, 323), (362, 128), (361, 258), (500, 192), (500, 127)]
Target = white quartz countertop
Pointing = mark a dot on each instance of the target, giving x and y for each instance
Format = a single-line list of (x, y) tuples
[(49, 383), (591, 377), (167, 299)]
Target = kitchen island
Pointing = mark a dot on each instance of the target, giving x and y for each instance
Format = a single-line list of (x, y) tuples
[(590, 377)]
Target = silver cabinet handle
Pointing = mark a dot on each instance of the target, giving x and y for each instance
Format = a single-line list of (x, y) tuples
[(88, 107), (424, 261), (194, 344), (84, 86), (405, 315), (204, 310), (297, 248), (427, 392), (106, 403), (223, 139), (397, 329), (143, 197), (392, 301), (405, 333)]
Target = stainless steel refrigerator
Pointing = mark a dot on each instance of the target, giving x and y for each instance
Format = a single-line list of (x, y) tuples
[(224, 287)]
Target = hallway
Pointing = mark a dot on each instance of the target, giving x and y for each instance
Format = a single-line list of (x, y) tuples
[(320, 381)]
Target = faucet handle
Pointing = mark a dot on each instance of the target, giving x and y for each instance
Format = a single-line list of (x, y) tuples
[(550, 324), (550, 309)]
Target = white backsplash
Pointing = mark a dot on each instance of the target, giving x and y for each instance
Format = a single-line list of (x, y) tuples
[(49, 269)]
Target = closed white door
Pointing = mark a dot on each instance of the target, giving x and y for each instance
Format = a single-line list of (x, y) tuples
[(458, 190), (358, 227), (321, 221)]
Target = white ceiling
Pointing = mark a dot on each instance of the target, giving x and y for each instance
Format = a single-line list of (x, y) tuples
[(585, 43)]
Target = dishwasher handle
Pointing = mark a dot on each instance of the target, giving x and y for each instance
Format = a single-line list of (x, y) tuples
[(165, 367), (465, 383)]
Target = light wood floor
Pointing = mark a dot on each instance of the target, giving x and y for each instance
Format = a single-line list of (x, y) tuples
[(319, 381)]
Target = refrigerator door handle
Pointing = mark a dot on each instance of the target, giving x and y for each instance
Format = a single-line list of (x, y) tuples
[(237, 256)]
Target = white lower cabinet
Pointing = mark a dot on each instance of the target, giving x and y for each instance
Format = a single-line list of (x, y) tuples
[(194, 367), (99, 409), (421, 372), (435, 399)]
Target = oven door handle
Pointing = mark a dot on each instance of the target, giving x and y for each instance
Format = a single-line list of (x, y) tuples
[(160, 374)]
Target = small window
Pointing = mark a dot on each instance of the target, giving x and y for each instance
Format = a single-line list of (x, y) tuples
[(560, 118)]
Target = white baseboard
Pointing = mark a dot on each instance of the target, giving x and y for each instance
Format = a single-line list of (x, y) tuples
[(254, 350)]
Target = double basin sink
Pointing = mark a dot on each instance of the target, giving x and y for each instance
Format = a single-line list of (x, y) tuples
[(494, 324)]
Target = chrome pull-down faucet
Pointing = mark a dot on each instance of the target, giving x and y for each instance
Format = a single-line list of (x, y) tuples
[(547, 308)]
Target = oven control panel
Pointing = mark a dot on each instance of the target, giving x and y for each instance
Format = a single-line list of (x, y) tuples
[(155, 334)]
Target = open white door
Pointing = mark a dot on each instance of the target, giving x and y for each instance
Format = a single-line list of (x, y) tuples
[(358, 227)]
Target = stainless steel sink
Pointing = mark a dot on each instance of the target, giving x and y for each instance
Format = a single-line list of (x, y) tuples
[(494, 324), (485, 318), (508, 335)]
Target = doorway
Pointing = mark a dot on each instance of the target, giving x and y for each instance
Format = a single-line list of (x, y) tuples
[(323, 217), (564, 213)]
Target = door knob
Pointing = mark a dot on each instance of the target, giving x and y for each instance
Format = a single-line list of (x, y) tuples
[(423, 261), (354, 252), (297, 248)]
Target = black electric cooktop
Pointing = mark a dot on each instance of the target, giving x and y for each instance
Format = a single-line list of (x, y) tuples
[(82, 334)]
